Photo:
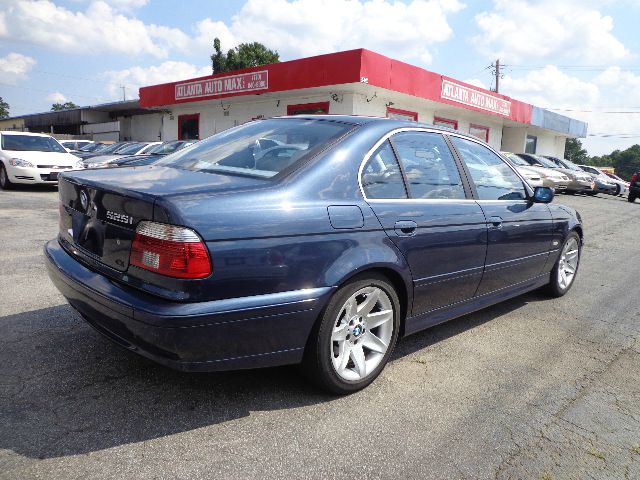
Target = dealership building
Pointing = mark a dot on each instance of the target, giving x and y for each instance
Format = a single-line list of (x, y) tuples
[(355, 82), (358, 82)]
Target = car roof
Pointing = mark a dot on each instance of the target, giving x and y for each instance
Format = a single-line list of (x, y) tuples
[(366, 120)]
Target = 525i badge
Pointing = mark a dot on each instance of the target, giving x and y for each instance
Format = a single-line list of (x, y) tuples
[(119, 217)]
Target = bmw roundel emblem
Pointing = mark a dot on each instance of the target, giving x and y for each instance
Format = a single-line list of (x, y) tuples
[(357, 331), (84, 200)]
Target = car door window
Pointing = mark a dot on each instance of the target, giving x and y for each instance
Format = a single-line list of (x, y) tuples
[(381, 176), (429, 166), (493, 178)]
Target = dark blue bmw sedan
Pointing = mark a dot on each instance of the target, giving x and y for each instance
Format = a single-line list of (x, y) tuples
[(317, 240)]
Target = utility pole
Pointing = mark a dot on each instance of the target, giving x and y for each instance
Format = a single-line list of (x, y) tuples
[(496, 71), (124, 96)]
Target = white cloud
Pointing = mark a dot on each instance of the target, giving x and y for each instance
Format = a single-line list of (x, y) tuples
[(550, 86), (15, 67), (57, 97), (409, 31), (98, 29), (476, 82), (548, 30), (136, 77), (309, 27), (585, 99)]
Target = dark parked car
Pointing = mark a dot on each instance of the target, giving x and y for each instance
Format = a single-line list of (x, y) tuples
[(316, 239), (156, 153), (102, 150), (634, 187)]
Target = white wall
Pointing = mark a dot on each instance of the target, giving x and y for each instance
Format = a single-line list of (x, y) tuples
[(146, 128), (106, 127), (513, 139)]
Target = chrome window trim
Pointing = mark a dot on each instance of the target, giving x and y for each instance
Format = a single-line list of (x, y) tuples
[(388, 135)]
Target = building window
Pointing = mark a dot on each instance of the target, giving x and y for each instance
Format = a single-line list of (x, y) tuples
[(445, 122), (318, 108), (479, 131), (189, 127), (402, 114), (530, 146)]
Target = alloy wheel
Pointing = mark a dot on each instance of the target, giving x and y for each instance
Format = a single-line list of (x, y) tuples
[(568, 264), (362, 333)]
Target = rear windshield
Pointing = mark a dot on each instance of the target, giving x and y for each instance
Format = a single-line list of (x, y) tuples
[(31, 143), (262, 149)]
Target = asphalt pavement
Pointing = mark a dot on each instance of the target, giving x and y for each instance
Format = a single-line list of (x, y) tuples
[(534, 388)]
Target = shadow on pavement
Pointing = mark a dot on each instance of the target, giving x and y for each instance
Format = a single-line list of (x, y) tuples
[(66, 390)]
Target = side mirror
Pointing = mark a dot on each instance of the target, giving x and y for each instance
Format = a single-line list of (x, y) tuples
[(543, 195)]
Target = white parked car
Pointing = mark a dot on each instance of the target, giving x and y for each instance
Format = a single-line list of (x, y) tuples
[(537, 176), (32, 158)]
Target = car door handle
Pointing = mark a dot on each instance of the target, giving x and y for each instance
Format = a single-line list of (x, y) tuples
[(405, 228), (495, 222)]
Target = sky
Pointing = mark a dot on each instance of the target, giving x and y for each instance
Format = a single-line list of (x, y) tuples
[(579, 58)]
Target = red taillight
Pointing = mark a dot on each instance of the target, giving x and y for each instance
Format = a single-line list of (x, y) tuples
[(634, 177), (170, 250)]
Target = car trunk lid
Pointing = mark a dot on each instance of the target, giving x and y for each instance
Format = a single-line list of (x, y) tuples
[(100, 209)]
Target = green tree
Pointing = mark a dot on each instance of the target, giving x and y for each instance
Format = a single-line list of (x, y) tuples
[(244, 55), (574, 152), (626, 162), (4, 108), (63, 106)]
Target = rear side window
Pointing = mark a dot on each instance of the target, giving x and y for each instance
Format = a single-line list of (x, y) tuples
[(381, 176), (493, 178), (429, 166), (262, 149)]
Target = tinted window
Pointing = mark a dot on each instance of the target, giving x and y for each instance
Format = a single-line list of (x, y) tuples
[(429, 165), (31, 143), (381, 177), (129, 149), (493, 178), (262, 148)]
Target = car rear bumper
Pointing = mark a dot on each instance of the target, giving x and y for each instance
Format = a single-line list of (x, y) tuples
[(248, 332)]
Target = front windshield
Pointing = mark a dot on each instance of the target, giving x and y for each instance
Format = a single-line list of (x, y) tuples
[(91, 147), (169, 147), (545, 162), (31, 143), (262, 148), (516, 160), (591, 170), (572, 165), (129, 149)]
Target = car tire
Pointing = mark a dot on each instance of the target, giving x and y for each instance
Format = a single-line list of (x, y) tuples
[(5, 183), (354, 338), (631, 198), (618, 190), (566, 267)]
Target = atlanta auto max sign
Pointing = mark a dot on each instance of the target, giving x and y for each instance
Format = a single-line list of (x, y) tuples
[(244, 82), (468, 96)]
